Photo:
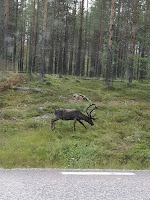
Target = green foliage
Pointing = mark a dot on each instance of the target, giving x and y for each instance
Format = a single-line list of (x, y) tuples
[(120, 136)]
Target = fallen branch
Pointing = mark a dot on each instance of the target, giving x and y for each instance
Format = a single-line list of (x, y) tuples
[(30, 89)]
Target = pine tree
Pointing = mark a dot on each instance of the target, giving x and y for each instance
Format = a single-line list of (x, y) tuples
[(109, 52), (5, 41)]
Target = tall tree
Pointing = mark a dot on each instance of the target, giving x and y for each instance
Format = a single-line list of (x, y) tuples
[(65, 52), (1, 26), (15, 36), (109, 51), (119, 43), (133, 36), (85, 41), (5, 43), (144, 42), (22, 34), (5, 40), (32, 40), (37, 5), (80, 42), (42, 64), (101, 37), (52, 39), (88, 46), (72, 36)]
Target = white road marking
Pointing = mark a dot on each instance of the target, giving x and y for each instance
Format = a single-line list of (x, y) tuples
[(100, 173)]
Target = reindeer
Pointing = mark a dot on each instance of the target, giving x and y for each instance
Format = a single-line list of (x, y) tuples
[(73, 114)]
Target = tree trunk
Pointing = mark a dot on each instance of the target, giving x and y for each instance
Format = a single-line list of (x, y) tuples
[(85, 44), (78, 61), (5, 47), (32, 41), (42, 64), (72, 40), (101, 38), (65, 53), (133, 41), (22, 42), (15, 37), (116, 72), (34, 63), (52, 41), (88, 49), (143, 63), (109, 52)]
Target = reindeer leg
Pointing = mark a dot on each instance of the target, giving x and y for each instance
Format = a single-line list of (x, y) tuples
[(74, 124), (82, 123), (52, 123)]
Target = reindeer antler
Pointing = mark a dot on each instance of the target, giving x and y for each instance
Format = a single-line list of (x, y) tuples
[(92, 111), (89, 114)]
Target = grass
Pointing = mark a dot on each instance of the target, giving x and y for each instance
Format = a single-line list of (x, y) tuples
[(120, 138)]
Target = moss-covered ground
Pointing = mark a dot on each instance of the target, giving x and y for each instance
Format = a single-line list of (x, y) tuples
[(120, 138)]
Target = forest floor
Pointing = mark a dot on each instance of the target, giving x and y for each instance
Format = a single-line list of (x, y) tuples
[(119, 139)]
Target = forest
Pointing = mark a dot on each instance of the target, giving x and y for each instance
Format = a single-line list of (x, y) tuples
[(106, 39)]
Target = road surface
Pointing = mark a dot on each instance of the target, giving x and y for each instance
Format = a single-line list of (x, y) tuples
[(61, 184)]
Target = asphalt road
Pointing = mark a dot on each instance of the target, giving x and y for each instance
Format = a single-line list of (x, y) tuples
[(61, 184)]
